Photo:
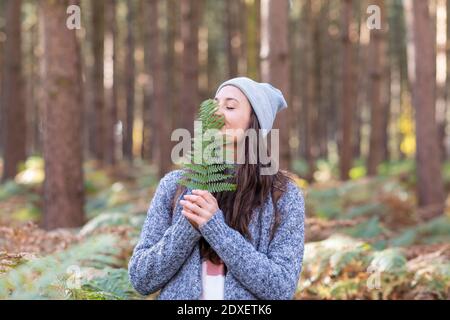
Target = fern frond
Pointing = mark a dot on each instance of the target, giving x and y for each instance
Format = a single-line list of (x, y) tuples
[(46, 277), (210, 173), (208, 177)]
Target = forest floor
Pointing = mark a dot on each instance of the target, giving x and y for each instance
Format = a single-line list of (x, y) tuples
[(364, 238)]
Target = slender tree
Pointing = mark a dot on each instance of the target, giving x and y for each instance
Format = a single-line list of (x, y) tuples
[(63, 186), (130, 83), (430, 188), (347, 94), (234, 38), (190, 20), (253, 38), (98, 25), (14, 116), (172, 63), (111, 81), (377, 77), (2, 45), (275, 64), (158, 88)]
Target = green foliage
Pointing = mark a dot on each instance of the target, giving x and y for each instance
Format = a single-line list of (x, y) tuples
[(341, 267), (47, 277), (113, 284), (446, 172), (367, 229), (114, 198), (358, 172), (364, 210), (113, 219), (392, 260), (31, 172), (300, 167), (28, 213), (208, 163), (436, 230), (10, 188), (395, 168)]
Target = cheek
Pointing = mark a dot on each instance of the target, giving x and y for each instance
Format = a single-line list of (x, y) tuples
[(237, 120)]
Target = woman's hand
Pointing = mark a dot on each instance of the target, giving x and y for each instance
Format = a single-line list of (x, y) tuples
[(199, 207)]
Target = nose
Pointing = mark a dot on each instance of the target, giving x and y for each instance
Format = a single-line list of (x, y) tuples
[(219, 112), (219, 108)]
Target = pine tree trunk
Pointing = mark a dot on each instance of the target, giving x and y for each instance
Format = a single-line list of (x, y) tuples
[(173, 63), (441, 103), (311, 86), (158, 89), (446, 147), (148, 115), (14, 116), (377, 75), (190, 20), (63, 186), (233, 43), (87, 61), (275, 65), (428, 160), (2, 46), (98, 25), (111, 80), (347, 101), (253, 31), (33, 87), (359, 68), (130, 84)]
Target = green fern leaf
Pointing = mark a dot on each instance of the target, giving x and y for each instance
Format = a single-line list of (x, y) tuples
[(210, 173)]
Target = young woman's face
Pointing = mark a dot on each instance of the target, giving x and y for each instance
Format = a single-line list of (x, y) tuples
[(236, 109)]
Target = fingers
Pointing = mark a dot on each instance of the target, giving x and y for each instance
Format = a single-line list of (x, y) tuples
[(206, 195), (200, 201), (192, 217), (194, 208)]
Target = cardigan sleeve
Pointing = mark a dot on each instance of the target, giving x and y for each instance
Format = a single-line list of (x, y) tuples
[(271, 276), (162, 248)]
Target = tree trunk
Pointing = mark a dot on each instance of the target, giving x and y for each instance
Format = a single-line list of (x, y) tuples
[(428, 161), (14, 116), (446, 146), (347, 95), (2, 46), (173, 64), (190, 20), (311, 84), (111, 82), (63, 186), (275, 65), (158, 89), (360, 86), (377, 53), (148, 116), (233, 43), (130, 89), (253, 32), (33, 89), (98, 25)]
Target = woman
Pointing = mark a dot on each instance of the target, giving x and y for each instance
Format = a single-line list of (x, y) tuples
[(245, 244)]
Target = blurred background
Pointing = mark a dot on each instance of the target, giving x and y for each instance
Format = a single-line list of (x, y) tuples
[(90, 92)]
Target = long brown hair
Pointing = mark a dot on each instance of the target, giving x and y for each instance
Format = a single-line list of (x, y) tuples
[(252, 190)]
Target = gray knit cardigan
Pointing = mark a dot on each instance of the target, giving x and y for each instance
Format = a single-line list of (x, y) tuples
[(167, 256)]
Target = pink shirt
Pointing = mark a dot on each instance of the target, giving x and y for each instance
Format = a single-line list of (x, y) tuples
[(213, 280)]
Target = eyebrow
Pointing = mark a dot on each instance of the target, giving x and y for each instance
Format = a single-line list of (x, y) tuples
[(228, 98)]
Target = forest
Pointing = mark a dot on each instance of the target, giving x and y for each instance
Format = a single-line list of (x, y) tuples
[(90, 92)]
